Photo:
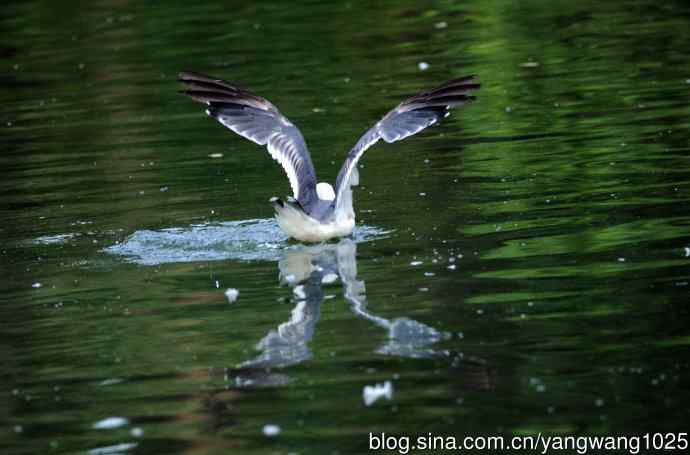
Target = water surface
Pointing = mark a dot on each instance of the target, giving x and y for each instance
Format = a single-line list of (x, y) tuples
[(522, 267)]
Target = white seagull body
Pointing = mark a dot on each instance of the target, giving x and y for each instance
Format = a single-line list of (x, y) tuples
[(316, 212)]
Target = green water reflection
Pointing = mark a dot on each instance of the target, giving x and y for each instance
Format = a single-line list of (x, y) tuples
[(528, 264)]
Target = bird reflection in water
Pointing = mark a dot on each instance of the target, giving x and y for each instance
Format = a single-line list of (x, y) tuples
[(307, 271), (311, 273)]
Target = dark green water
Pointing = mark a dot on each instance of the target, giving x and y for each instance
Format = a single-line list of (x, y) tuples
[(560, 200)]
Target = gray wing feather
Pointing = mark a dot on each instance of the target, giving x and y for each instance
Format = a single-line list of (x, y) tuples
[(258, 120), (408, 118)]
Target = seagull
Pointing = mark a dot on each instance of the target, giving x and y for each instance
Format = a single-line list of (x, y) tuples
[(317, 212)]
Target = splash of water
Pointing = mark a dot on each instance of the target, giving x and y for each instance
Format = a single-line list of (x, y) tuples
[(250, 240)]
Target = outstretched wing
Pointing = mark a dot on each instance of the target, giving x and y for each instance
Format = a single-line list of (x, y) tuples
[(258, 120), (408, 118)]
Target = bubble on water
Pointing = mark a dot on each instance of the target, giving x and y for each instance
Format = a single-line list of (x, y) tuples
[(687, 252), (416, 263), (429, 274), (270, 430), (137, 432), (37, 285), (231, 294), (423, 66)]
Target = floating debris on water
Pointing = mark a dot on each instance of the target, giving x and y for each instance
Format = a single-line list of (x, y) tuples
[(215, 155), (441, 25), (416, 263), (110, 423), (687, 252), (36, 285), (373, 393), (271, 430), (231, 294), (137, 432), (423, 66)]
